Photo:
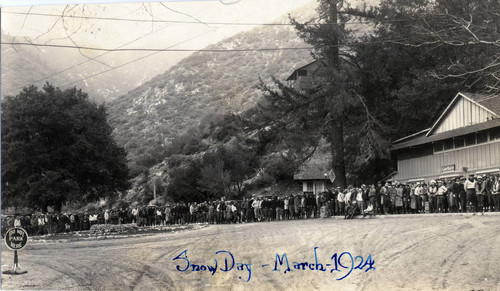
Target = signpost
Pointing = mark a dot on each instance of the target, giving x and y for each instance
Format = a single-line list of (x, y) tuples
[(448, 168), (331, 175), (16, 239)]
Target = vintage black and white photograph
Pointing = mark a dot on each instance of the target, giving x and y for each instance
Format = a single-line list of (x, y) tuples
[(250, 145)]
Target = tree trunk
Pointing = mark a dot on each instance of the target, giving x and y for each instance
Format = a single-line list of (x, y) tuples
[(337, 148), (334, 57), (337, 134)]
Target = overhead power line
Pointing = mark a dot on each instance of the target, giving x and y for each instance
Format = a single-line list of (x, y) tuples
[(152, 49), (88, 60), (170, 49), (197, 21), (147, 20)]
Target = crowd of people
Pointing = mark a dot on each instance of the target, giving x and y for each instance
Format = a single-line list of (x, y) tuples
[(475, 194)]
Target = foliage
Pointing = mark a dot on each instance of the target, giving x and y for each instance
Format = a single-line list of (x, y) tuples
[(57, 147), (332, 108), (204, 85), (415, 63)]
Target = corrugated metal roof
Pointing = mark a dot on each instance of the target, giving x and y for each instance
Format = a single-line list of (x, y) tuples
[(448, 134)]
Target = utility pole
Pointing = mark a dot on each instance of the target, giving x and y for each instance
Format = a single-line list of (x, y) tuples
[(334, 58), (337, 133)]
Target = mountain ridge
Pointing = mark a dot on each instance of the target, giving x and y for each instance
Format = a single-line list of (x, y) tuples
[(204, 84)]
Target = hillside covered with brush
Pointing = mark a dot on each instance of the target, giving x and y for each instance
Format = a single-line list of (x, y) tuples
[(203, 86)]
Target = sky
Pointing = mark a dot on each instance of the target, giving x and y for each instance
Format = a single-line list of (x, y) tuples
[(172, 24), (28, 24), (185, 25)]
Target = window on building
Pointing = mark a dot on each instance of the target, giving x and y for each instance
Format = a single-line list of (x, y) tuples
[(310, 186), (319, 186), (438, 146), (495, 134), (470, 139), (482, 136), (459, 142), (448, 144), (302, 73)]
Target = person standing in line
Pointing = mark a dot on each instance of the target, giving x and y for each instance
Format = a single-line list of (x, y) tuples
[(335, 202), (379, 197), (264, 208), (244, 209), (291, 207), (453, 194), (341, 202), (463, 195), (366, 193), (372, 195), (250, 211), (399, 199), (286, 207), (393, 193), (495, 192), (255, 207), (413, 199), (168, 214), (432, 196), (425, 197), (418, 193), (347, 198), (359, 200), (135, 214), (261, 206), (385, 198), (106, 216), (317, 201), (406, 199), (296, 203), (280, 204), (470, 189), (480, 193), (488, 188), (441, 197)]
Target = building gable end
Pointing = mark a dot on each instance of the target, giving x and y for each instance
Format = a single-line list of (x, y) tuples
[(461, 112)]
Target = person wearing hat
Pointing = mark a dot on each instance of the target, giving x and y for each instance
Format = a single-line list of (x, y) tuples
[(335, 201), (425, 198), (470, 189), (340, 202), (433, 188), (495, 192), (488, 187), (413, 199), (398, 200), (454, 194), (372, 196), (419, 195), (462, 195), (441, 196), (481, 192)]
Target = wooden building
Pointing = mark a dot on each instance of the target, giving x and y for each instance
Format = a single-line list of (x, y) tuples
[(315, 177), (304, 77), (315, 174), (464, 140)]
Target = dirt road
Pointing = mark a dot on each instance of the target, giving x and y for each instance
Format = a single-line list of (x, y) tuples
[(417, 253)]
